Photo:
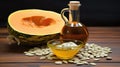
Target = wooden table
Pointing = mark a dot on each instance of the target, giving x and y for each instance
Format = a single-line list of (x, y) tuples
[(13, 56)]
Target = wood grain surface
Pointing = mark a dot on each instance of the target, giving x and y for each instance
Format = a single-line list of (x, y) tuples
[(11, 55)]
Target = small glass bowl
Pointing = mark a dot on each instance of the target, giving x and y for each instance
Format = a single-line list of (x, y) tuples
[(65, 48)]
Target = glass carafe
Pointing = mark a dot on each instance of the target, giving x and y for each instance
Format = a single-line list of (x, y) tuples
[(73, 28)]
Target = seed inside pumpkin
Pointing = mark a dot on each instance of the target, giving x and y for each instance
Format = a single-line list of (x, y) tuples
[(39, 20)]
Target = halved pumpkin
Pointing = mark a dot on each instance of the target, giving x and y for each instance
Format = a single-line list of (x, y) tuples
[(34, 26)]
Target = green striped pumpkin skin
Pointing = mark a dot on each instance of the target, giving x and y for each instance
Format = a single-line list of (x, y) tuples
[(30, 39)]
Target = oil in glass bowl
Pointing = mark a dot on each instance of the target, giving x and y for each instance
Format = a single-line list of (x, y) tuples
[(65, 48)]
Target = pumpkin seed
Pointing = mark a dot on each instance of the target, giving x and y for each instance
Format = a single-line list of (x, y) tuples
[(58, 62), (43, 57), (29, 54), (108, 58), (96, 59), (93, 64), (64, 61)]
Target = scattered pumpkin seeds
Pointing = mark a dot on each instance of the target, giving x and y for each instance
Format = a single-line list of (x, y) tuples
[(90, 52)]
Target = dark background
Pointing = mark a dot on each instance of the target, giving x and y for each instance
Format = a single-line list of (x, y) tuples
[(93, 12)]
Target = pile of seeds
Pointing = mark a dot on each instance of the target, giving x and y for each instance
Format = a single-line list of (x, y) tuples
[(91, 52)]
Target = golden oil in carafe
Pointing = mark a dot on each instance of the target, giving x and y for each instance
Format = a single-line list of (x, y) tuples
[(74, 29), (78, 33)]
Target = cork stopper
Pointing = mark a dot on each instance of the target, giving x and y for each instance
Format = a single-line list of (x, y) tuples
[(74, 5)]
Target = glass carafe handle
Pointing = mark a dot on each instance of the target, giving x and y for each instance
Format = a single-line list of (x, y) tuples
[(62, 14)]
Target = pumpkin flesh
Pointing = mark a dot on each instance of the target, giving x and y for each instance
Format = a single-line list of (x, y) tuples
[(18, 21)]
